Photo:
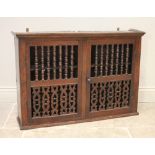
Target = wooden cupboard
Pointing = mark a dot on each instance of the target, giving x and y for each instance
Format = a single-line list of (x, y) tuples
[(70, 77)]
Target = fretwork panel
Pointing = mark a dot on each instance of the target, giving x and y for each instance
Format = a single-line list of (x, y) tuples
[(109, 95), (53, 62), (54, 100), (111, 59)]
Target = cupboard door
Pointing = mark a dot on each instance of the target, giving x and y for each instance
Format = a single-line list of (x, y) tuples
[(109, 77), (54, 75)]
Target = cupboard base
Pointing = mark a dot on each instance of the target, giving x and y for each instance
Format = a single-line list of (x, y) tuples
[(25, 127)]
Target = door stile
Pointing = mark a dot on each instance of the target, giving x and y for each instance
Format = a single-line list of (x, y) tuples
[(88, 77), (80, 87)]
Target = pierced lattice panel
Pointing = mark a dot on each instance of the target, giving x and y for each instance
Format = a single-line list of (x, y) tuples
[(54, 100), (109, 95), (53, 62), (111, 59)]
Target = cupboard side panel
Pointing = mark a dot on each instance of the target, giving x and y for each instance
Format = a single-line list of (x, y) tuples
[(23, 83), (136, 71), (16, 41)]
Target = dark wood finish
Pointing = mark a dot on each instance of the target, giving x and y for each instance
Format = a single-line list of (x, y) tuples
[(36, 64), (66, 62), (72, 61), (117, 57), (48, 63), (60, 62), (101, 62), (69, 77), (54, 62)]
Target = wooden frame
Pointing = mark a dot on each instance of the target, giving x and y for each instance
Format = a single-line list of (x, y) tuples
[(84, 40)]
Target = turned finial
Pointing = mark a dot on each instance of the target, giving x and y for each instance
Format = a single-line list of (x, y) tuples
[(118, 29), (27, 29)]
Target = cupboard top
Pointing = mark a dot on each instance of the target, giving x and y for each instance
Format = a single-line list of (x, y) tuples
[(131, 32)]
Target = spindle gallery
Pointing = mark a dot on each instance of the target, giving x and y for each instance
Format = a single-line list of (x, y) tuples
[(71, 77)]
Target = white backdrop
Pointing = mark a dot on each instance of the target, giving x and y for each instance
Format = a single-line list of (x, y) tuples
[(7, 50)]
